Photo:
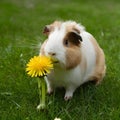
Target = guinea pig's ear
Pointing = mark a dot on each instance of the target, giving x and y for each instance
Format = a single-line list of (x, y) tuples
[(50, 28), (74, 38), (76, 35), (46, 30)]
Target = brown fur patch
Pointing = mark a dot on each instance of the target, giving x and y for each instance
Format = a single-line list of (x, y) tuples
[(72, 27), (49, 28), (100, 69), (73, 57), (56, 24), (73, 54)]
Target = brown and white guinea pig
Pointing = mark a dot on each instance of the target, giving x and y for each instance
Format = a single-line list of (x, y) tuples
[(79, 57)]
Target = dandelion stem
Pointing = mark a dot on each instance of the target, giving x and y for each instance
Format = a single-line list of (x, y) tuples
[(41, 90)]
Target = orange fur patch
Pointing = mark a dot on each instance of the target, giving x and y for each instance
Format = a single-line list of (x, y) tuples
[(73, 57), (72, 27), (52, 26), (100, 69), (73, 53)]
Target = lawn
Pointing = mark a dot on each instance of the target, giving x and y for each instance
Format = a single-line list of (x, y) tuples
[(21, 26)]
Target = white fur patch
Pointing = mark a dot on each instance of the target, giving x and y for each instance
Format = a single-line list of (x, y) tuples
[(89, 53), (55, 44), (66, 78)]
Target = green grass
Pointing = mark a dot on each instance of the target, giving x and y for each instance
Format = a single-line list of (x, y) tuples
[(21, 26)]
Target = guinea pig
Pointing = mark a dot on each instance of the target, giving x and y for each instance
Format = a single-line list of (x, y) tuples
[(78, 57)]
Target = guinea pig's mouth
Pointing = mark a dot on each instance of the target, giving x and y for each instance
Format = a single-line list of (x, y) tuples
[(54, 60)]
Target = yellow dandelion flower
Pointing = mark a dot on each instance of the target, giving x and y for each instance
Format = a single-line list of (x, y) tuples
[(39, 66)]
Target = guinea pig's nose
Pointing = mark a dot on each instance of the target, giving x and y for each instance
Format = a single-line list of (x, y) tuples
[(51, 53)]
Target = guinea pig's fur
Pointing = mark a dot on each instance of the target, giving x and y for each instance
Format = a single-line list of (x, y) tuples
[(79, 57)]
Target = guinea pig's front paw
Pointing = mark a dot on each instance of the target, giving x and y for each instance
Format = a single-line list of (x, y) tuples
[(49, 91), (66, 98), (68, 95)]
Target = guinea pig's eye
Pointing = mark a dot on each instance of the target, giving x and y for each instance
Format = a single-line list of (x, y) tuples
[(66, 42)]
